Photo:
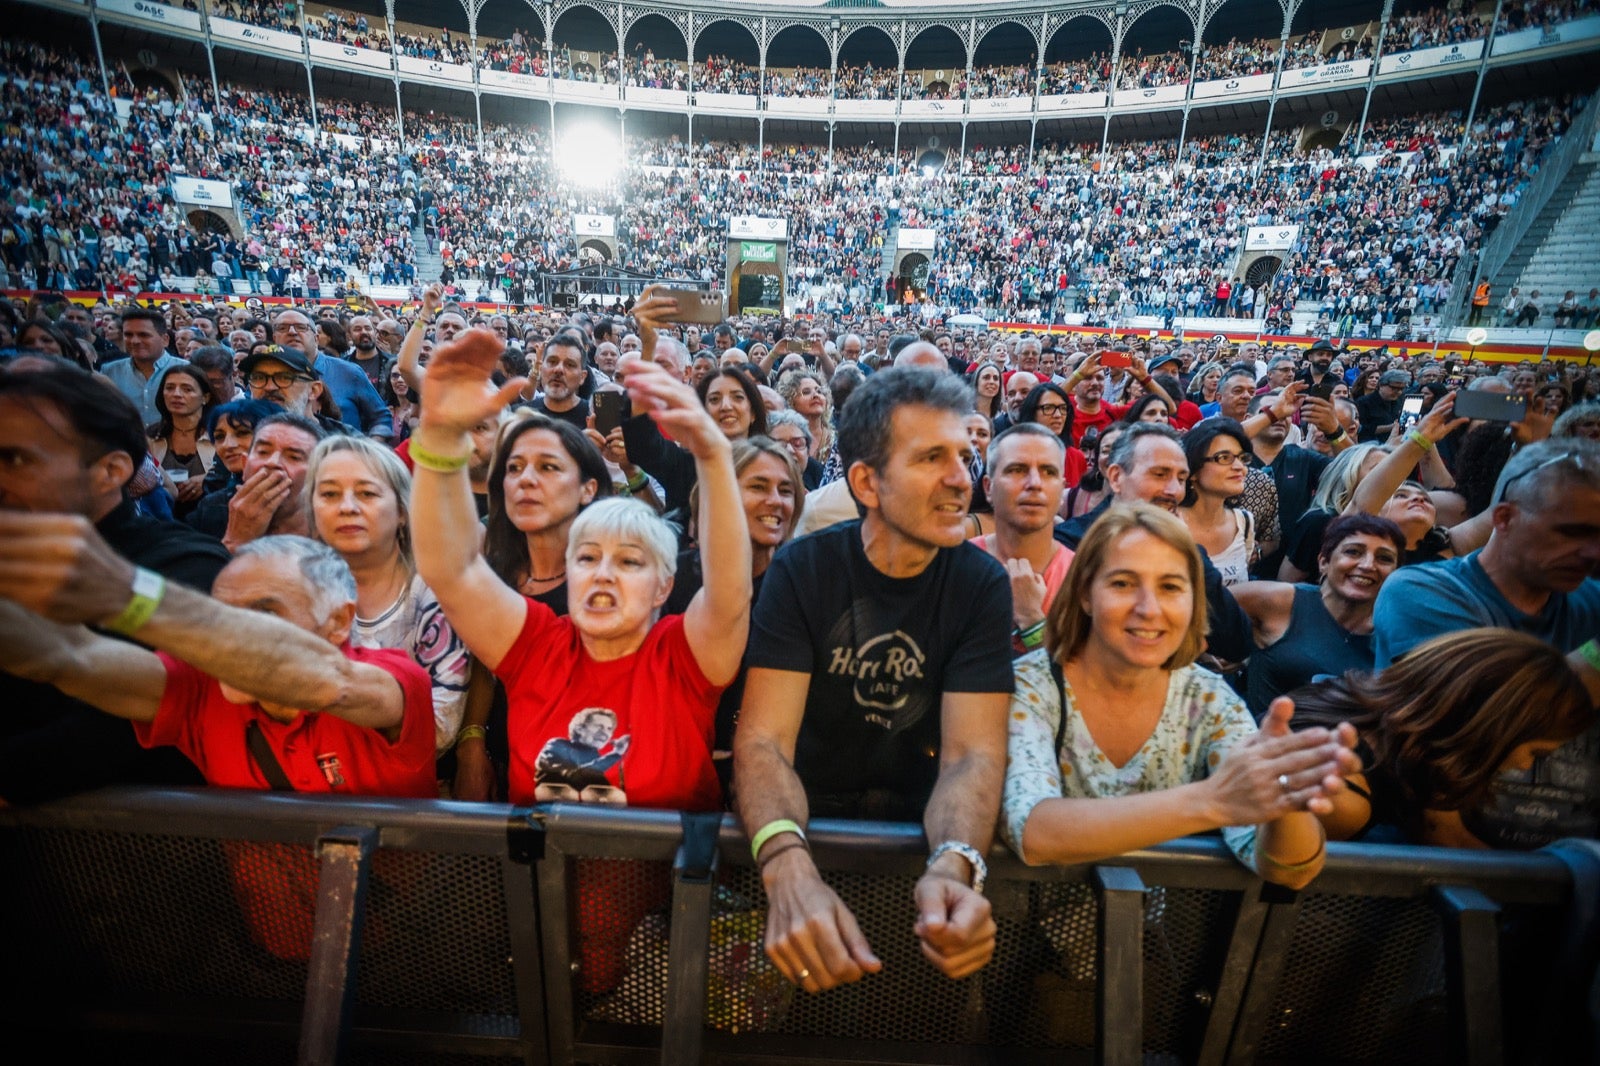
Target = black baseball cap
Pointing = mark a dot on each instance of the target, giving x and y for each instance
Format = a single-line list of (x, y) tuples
[(293, 358)]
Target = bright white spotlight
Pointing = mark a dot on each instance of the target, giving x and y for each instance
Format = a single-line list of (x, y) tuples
[(589, 156)]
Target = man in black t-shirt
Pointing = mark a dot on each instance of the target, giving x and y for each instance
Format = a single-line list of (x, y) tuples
[(881, 691), (561, 374)]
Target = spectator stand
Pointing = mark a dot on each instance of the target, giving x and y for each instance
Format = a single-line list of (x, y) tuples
[(449, 932)]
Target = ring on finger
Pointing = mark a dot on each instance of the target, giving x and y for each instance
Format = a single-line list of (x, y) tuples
[(1283, 783), (804, 975)]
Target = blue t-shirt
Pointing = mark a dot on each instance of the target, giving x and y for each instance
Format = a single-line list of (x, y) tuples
[(360, 406), (1418, 603)]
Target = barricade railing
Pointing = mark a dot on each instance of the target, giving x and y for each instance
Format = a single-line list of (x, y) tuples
[(243, 926)]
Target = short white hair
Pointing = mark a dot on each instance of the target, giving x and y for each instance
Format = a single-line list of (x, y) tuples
[(627, 519), (323, 571)]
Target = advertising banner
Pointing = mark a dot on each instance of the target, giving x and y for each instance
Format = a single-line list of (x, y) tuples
[(349, 53), (1254, 83), (1002, 105), (727, 101), (1073, 102), (521, 84), (1584, 29), (915, 240), (432, 68), (1328, 72), (187, 190), (758, 251), (594, 225), (1428, 58), (155, 14), (758, 228), (1166, 94), (255, 36), (1270, 238)]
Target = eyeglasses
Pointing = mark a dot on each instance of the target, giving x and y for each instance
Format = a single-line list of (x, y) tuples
[(292, 327), (1052, 408), (1225, 458), (283, 379), (1575, 458)]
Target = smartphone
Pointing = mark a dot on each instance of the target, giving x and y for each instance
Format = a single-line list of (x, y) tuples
[(696, 305), (610, 409), (1491, 407), (1323, 390), (1456, 381), (1113, 358), (1411, 411)]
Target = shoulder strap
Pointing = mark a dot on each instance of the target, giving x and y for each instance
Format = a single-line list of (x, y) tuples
[(261, 754), (1061, 698)]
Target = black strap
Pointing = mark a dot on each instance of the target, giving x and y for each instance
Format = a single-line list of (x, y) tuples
[(1061, 700), (261, 754)]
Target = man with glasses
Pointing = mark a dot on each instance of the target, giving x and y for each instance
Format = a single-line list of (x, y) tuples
[(283, 376), (1536, 575), (360, 406), (1380, 410)]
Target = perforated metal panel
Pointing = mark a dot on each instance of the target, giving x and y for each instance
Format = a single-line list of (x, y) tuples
[(115, 914), (1366, 983), (422, 949)]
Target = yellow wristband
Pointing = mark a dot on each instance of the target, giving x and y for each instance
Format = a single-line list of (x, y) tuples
[(148, 589), (439, 464), (472, 732), (770, 830)]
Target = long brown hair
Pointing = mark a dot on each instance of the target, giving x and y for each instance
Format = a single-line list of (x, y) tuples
[(505, 547), (1443, 719)]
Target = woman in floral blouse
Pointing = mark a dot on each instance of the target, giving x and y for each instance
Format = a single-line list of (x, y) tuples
[(1153, 747)]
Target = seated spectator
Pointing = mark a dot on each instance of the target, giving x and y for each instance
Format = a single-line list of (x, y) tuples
[(1447, 732), (896, 711), (1118, 741), (1303, 632), (1025, 486), (359, 499)]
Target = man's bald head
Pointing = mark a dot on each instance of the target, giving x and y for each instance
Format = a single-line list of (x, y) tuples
[(922, 355)]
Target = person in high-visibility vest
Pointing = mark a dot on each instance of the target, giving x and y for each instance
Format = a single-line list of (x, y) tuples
[(1480, 302)]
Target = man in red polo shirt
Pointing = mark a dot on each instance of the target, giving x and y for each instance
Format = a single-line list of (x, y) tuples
[(1087, 384), (269, 657)]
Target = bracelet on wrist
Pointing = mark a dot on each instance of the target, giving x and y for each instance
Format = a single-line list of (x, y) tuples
[(439, 464), (637, 482), (472, 732), (761, 863), (1590, 653), (1420, 439), (1031, 637), (774, 828), (147, 591), (1337, 434)]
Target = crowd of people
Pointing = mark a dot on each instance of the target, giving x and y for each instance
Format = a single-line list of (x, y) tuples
[(525, 52), (1070, 231), (1112, 596)]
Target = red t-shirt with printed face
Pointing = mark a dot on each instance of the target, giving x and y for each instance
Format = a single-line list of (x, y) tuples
[(1108, 413), (635, 731), (318, 752)]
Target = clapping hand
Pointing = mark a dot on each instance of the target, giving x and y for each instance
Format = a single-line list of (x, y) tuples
[(1278, 771)]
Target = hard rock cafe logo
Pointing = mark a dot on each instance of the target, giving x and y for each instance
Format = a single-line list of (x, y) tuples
[(883, 668)]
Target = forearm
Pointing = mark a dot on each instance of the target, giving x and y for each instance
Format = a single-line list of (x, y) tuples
[(1290, 850), (1435, 475), (444, 520), (965, 803), (114, 676), (826, 364), (410, 352), (1153, 388), (1067, 831), (1376, 488), (724, 539), (781, 794)]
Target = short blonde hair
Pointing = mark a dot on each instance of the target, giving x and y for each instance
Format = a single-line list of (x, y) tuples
[(1068, 623), (384, 465)]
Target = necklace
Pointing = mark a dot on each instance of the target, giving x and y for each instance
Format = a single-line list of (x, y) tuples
[(553, 577)]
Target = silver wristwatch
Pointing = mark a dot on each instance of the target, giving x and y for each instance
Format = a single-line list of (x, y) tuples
[(980, 869)]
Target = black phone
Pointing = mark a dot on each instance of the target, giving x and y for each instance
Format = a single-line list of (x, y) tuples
[(1491, 406), (610, 408), (1411, 411), (1324, 390)]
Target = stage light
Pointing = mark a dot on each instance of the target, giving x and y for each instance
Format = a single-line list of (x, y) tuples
[(589, 156)]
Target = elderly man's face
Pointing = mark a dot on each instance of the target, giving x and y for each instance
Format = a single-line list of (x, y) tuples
[(265, 584), (279, 383), (294, 330), (1017, 390)]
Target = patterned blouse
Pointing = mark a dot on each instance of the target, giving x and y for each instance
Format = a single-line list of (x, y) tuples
[(1202, 720)]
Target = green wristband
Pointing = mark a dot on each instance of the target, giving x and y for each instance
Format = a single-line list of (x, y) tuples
[(148, 589), (1590, 653), (1032, 637), (1420, 440), (770, 830)]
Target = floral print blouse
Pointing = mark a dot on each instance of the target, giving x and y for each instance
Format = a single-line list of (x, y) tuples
[(1202, 720)]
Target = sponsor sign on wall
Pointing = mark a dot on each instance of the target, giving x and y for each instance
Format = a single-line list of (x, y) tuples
[(594, 225), (255, 36), (432, 68), (524, 84), (758, 252), (1254, 83), (340, 52), (1165, 94), (1270, 238), (153, 13), (187, 190), (1002, 105), (1585, 29), (1428, 58), (1328, 72), (755, 227), (933, 108), (727, 101), (798, 105), (1073, 102), (915, 240)]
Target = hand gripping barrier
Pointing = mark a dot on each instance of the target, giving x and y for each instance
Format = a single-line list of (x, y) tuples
[(215, 926)]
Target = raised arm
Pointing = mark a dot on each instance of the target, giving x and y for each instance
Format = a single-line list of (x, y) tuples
[(1142, 375), (1282, 409), (1375, 489), (812, 938), (717, 622), (407, 361), (58, 566), (457, 394)]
